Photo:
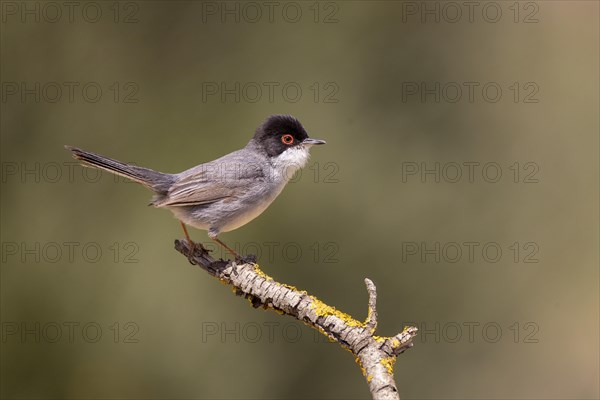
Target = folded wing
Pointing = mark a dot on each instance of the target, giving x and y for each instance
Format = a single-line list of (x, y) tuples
[(226, 178)]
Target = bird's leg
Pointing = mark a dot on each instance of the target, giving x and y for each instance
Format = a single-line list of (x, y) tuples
[(190, 243), (250, 259), (226, 247)]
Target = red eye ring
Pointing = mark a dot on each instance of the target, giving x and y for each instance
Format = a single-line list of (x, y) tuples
[(287, 139)]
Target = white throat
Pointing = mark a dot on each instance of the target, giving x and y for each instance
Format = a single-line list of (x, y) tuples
[(287, 163)]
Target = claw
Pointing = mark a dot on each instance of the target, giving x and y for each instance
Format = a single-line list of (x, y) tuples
[(192, 252), (248, 259)]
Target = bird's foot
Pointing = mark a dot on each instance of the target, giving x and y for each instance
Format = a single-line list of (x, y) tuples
[(192, 252), (248, 259)]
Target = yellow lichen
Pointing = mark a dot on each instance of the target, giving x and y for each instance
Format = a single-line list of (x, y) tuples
[(260, 273), (293, 288), (357, 360), (369, 378), (224, 281), (323, 310), (378, 339), (388, 363)]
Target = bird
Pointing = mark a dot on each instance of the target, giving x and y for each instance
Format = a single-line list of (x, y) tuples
[(228, 192)]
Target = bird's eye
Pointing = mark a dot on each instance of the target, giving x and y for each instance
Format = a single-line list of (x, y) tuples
[(287, 139)]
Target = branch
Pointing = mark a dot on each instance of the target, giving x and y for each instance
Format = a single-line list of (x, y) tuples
[(375, 355)]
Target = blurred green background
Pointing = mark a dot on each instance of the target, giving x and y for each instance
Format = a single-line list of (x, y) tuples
[(96, 303)]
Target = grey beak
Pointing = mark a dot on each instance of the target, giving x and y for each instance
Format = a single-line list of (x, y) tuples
[(312, 141)]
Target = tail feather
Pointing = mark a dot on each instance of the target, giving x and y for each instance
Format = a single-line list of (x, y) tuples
[(154, 180)]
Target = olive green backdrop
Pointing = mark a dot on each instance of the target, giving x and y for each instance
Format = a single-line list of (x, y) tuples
[(423, 105)]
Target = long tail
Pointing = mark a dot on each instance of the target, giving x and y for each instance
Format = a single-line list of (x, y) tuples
[(154, 180)]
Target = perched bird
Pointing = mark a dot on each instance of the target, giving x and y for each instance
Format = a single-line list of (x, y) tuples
[(224, 194)]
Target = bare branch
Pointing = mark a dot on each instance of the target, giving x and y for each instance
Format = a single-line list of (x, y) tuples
[(372, 312), (376, 355)]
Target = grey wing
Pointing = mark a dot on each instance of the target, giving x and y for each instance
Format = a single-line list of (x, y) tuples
[(223, 179)]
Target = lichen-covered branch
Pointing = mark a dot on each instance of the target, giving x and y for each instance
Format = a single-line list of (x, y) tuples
[(375, 355)]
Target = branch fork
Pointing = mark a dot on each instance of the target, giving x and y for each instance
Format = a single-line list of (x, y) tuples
[(375, 355)]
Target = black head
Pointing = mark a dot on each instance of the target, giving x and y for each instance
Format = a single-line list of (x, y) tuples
[(281, 132)]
